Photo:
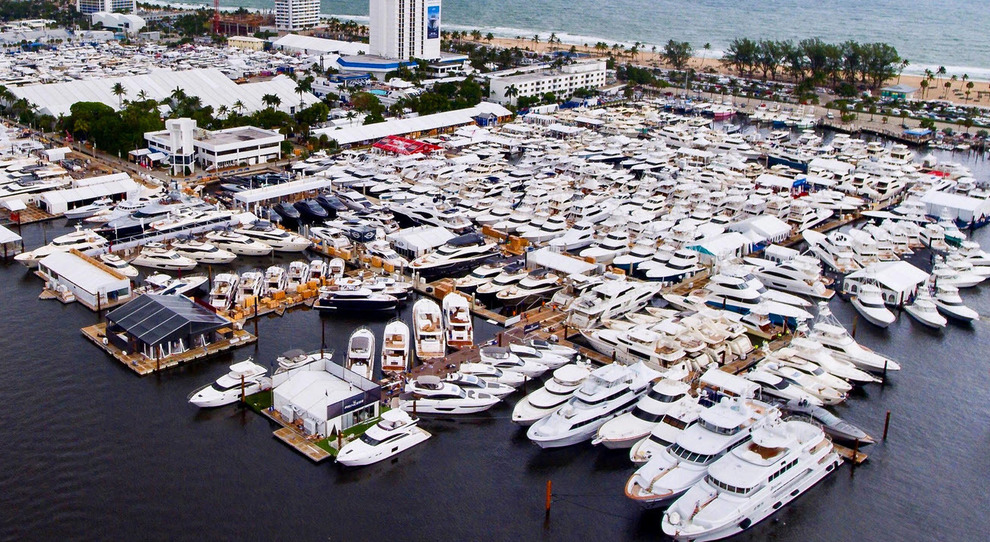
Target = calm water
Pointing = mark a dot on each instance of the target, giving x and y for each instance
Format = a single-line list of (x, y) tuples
[(91, 450), (927, 32)]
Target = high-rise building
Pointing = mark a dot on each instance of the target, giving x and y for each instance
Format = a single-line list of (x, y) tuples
[(113, 6), (405, 29), (295, 15)]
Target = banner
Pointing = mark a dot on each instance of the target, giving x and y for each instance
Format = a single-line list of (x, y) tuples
[(432, 22)]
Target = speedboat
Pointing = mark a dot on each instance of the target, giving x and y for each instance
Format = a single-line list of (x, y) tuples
[(664, 434), (224, 291), (280, 240), (625, 430), (924, 310), (868, 301), (476, 383), (395, 433), (310, 211), (205, 253), (245, 378), (428, 330), (721, 428), (430, 395), (167, 285), (353, 297), (86, 241), (782, 460), (481, 275), (455, 257), (317, 271), (158, 256), (288, 214), (546, 357), (118, 264), (501, 358), (298, 274), (610, 299), (949, 303), (275, 279), (554, 393), (239, 244), (493, 374), (551, 348), (827, 331), (608, 392), (361, 353), (395, 347), (834, 426), (457, 321)]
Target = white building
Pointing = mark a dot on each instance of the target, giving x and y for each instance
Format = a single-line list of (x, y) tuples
[(89, 281), (127, 22), (561, 82), (405, 29), (294, 15), (187, 146), (113, 6)]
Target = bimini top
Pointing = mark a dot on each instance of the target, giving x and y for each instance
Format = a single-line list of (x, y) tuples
[(154, 319)]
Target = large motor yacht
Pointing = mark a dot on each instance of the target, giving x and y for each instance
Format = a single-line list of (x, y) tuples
[(625, 430), (361, 353), (554, 393), (608, 300), (243, 379), (280, 240), (395, 433), (457, 321), (457, 256), (395, 347), (158, 256), (239, 244), (428, 330), (86, 241), (205, 253), (430, 395)]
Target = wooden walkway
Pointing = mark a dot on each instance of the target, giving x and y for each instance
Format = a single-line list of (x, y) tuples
[(301, 444), (142, 365), (847, 453)]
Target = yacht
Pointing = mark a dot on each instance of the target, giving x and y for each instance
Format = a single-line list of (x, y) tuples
[(245, 378), (224, 291), (204, 253), (804, 217), (554, 393), (251, 286), (354, 297), (119, 265), (625, 430), (781, 461), (738, 294), (86, 211), (428, 330), (540, 283), (491, 373), (317, 271), (395, 347), (383, 251), (278, 239), (480, 276), (610, 299), (430, 395), (542, 356), (502, 358), (275, 279), (608, 392), (950, 304), (827, 330), (664, 434), (637, 344), (721, 428), (615, 243), (924, 310), (297, 275), (457, 321), (509, 276), (800, 275), (476, 383), (801, 375), (548, 347), (361, 353), (415, 213), (834, 250), (157, 256), (455, 257), (86, 241), (578, 236), (552, 228), (683, 263), (868, 301), (395, 433), (811, 351), (239, 244)]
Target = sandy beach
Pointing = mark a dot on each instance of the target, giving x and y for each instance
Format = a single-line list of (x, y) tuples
[(956, 93)]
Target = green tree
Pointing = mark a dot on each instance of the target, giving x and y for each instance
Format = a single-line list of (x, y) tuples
[(118, 90), (271, 100), (677, 53)]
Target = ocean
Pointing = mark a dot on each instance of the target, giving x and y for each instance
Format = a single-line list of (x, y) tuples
[(929, 33)]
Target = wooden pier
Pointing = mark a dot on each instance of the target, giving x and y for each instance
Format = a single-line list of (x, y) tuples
[(143, 365), (299, 442)]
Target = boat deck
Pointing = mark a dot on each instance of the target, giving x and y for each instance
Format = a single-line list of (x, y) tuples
[(299, 442)]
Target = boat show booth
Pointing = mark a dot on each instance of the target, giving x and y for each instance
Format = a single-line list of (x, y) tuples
[(159, 326)]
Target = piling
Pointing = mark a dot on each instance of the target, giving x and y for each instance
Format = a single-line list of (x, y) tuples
[(855, 321), (243, 397), (855, 453), (549, 497), (886, 425)]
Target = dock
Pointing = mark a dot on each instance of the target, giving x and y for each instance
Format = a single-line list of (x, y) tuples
[(296, 440), (847, 454), (143, 365)]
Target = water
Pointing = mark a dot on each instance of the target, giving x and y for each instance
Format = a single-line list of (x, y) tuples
[(91, 450), (929, 33)]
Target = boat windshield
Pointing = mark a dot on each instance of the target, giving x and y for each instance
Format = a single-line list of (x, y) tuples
[(663, 397), (646, 416), (679, 451), (726, 487)]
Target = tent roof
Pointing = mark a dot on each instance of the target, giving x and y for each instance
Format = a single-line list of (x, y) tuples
[(7, 236), (425, 123), (255, 195), (154, 319), (899, 276), (81, 272)]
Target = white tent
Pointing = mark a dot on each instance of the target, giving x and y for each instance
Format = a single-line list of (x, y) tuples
[(545, 257), (414, 242), (898, 280)]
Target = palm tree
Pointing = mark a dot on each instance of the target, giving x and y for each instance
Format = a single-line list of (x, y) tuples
[(511, 92), (924, 88), (222, 111), (238, 107), (969, 88), (704, 57), (536, 38), (118, 90), (142, 95), (271, 100), (904, 64), (302, 86), (178, 94)]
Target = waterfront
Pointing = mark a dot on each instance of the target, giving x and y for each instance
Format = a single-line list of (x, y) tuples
[(87, 439)]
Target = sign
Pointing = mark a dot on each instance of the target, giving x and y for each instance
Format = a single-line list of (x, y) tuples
[(433, 22), (530, 327)]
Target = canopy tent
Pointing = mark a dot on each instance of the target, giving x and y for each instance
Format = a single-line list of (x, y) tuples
[(281, 190), (155, 319)]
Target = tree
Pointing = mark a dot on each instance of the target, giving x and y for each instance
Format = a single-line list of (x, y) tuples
[(768, 57), (677, 53), (303, 86), (142, 95), (271, 100), (741, 54), (489, 37), (511, 92), (476, 34), (118, 90), (969, 88), (238, 107), (900, 68), (706, 47)]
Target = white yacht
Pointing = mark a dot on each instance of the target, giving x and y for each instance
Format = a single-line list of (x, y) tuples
[(278, 239), (924, 310), (665, 432), (395, 347), (493, 374), (86, 241), (430, 395), (637, 344), (224, 291), (738, 294), (868, 301), (297, 275), (119, 265), (834, 250), (610, 299), (158, 256), (480, 276), (275, 279), (457, 321), (395, 433), (239, 244), (361, 353), (205, 253), (682, 264), (608, 392), (579, 235), (509, 276), (615, 243), (721, 428), (627, 429), (538, 284), (501, 358), (781, 461), (551, 395), (245, 378), (827, 330), (428, 330), (478, 384), (800, 275), (949, 303), (543, 356), (251, 285), (456, 256), (803, 348)]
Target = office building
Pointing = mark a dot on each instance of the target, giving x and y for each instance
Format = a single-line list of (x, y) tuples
[(292, 15), (112, 6), (405, 29)]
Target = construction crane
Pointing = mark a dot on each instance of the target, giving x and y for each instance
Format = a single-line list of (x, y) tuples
[(216, 16)]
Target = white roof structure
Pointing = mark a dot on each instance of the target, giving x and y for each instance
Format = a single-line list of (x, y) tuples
[(7, 236), (419, 239), (900, 277), (545, 257), (964, 208), (723, 246), (312, 392), (101, 179), (281, 190), (319, 46), (426, 123), (762, 229), (83, 274), (57, 201), (211, 85), (775, 181), (831, 164)]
